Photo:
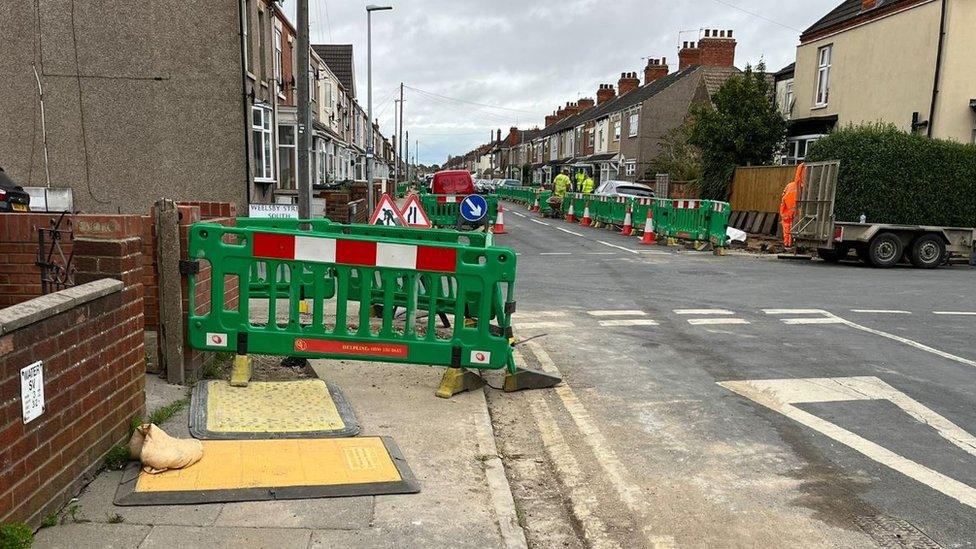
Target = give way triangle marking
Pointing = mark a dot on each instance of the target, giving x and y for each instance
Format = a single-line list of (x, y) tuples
[(386, 213), (414, 213)]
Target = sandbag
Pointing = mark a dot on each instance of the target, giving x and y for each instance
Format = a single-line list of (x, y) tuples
[(161, 452)]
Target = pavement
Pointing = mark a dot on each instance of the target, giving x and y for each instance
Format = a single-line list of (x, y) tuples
[(680, 439), (708, 401), (465, 500)]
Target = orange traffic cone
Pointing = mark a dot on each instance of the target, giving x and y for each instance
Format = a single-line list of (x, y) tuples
[(586, 216), (628, 228), (535, 207), (571, 214), (499, 227), (649, 236)]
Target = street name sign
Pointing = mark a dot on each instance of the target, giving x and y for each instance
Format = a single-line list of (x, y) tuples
[(32, 391), (273, 211)]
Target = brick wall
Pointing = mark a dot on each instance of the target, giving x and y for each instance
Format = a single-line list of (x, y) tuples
[(90, 341), (358, 212)]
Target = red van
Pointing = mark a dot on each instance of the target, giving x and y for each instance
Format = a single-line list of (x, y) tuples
[(452, 182)]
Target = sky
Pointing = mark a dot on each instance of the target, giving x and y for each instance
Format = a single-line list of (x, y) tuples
[(476, 66)]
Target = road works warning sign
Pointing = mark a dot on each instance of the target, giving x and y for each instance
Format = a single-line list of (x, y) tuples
[(386, 213), (414, 213)]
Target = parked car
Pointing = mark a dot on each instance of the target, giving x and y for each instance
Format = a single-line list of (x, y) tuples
[(510, 183), (452, 182), (13, 198), (624, 188)]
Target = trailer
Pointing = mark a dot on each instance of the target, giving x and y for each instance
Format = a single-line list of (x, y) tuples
[(878, 244)]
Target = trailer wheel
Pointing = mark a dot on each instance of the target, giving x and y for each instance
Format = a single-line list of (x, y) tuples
[(928, 251), (885, 250)]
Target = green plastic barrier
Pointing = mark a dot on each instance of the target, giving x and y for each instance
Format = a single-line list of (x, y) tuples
[(424, 273), (717, 219), (544, 197), (442, 209), (699, 220)]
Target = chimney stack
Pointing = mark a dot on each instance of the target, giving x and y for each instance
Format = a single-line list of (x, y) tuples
[(585, 103), (605, 93), (628, 82), (656, 68), (551, 119), (688, 56), (717, 49), (571, 109), (499, 135)]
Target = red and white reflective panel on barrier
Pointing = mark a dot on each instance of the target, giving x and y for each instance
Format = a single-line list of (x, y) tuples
[(448, 199), (354, 252), (686, 204)]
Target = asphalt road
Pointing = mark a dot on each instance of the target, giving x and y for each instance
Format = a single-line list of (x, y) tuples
[(866, 434)]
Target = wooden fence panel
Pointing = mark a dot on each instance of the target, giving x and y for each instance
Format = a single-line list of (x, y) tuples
[(759, 188)]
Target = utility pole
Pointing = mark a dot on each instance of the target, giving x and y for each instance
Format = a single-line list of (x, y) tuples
[(303, 171), (400, 134), (370, 143), (406, 157)]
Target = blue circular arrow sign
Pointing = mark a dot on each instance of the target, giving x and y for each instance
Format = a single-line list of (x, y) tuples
[(474, 208)]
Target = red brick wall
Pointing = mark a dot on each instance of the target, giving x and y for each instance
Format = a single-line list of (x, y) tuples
[(94, 366), (362, 213)]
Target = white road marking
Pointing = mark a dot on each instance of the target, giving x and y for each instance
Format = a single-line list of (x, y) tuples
[(780, 395), (626, 489), (815, 320), (716, 321), (881, 311), (569, 231), (518, 214), (653, 252), (541, 325), (600, 253), (539, 222), (630, 312), (548, 314), (618, 247), (562, 457), (959, 313), (703, 312), (556, 253), (627, 322), (795, 311)]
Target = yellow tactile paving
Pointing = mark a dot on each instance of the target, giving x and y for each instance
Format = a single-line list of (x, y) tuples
[(272, 407), (236, 464)]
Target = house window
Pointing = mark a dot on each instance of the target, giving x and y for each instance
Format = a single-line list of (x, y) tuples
[(262, 143), (788, 107), (263, 48), (630, 168), (277, 60), (287, 157), (632, 130), (322, 163), (616, 131), (601, 137), (591, 137), (823, 75), (797, 148)]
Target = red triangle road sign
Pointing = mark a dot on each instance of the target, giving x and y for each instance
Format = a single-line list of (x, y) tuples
[(414, 213), (386, 213)]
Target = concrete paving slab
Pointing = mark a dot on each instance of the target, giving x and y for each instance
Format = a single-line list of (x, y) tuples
[(159, 393), (95, 504), (326, 513), (91, 535), (168, 537)]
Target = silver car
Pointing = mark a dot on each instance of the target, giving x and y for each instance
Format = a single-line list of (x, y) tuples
[(624, 188)]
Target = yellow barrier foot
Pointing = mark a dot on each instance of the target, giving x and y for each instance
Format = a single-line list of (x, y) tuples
[(719, 251), (672, 242), (529, 379), (470, 323), (458, 380), (240, 373), (699, 245), (303, 307)]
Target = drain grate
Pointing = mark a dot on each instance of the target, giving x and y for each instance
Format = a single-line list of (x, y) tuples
[(893, 533)]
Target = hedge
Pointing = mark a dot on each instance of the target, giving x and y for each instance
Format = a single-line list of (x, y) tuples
[(895, 177)]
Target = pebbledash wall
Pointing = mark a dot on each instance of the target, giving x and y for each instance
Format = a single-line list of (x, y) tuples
[(89, 340)]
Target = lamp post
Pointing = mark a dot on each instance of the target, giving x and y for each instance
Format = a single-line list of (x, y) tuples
[(369, 101)]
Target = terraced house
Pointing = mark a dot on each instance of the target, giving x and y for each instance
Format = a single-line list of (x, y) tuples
[(905, 62)]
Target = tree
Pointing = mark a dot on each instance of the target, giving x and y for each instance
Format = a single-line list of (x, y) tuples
[(678, 158), (742, 127)]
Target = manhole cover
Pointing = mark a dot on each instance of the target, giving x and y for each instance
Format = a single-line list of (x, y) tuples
[(890, 532)]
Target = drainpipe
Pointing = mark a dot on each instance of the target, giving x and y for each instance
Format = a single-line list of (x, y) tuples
[(241, 6), (938, 66)]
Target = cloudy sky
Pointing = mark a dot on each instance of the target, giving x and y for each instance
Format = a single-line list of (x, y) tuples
[(523, 58)]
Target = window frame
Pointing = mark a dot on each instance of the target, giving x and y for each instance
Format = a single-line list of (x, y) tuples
[(293, 156), (259, 133), (633, 121), (245, 23), (821, 92), (277, 60), (617, 125)]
